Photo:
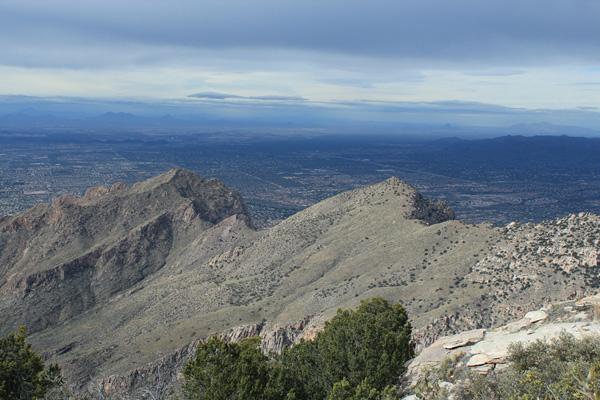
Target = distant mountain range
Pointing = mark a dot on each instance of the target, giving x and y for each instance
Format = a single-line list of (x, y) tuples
[(545, 128), (32, 118), (126, 277)]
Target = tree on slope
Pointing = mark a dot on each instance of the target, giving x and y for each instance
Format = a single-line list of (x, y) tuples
[(367, 347), (22, 372), (357, 355), (227, 371)]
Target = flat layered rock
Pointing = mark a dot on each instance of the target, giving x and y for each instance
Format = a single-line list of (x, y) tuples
[(536, 316), (490, 358), (486, 350), (464, 339)]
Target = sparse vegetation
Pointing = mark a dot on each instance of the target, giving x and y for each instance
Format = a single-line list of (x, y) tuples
[(562, 368), (312, 263)]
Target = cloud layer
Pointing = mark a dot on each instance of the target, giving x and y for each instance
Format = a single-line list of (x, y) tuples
[(223, 96), (465, 32), (517, 53)]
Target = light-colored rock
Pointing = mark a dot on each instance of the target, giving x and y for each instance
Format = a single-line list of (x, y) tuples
[(535, 316), (464, 339), (485, 351), (590, 300), (517, 325), (487, 358), (483, 369)]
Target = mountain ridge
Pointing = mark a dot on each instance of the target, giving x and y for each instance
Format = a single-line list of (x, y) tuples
[(383, 240), (84, 240)]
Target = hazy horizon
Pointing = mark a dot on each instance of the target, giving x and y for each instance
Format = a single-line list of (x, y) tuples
[(469, 63)]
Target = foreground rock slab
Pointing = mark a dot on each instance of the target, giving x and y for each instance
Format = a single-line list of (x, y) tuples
[(486, 350)]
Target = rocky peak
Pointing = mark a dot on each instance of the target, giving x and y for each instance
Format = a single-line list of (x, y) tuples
[(211, 199), (63, 200), (60, 260), (94, 192), (427, 210)]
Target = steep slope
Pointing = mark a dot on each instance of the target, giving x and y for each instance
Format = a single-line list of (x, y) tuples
[(201, 270), (368, 242), (64, 259)]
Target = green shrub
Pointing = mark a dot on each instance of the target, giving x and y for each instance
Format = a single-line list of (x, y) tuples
[(224, 371), (357, 355), (22, 372), (429, 383), (343, 390), (367, 346)]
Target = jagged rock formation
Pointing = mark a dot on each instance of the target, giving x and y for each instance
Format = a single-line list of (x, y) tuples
[(124, 277), (79, 253), (432, 212)]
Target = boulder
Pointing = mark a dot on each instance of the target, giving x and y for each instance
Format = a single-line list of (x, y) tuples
[(464, 339)]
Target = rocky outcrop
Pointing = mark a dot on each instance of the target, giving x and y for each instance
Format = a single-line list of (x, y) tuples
[(484, 350), (432, 212)]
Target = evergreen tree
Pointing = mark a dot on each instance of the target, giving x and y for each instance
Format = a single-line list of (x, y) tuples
[(22, 372), (368, 346), (227, 371), (357, 355)]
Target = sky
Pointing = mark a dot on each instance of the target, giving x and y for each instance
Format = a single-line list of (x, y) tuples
[(472, 62)]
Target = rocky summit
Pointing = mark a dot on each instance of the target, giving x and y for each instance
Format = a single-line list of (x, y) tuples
[(118, 286)]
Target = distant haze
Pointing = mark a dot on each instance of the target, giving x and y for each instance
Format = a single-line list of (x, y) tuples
[(471, 62)]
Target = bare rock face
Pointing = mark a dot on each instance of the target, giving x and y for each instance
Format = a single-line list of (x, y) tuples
[(164, 372), (61, 260), (432, 212)]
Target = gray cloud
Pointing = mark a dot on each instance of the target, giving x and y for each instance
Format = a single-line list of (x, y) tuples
[(214, 96), (66, 33), (434, 107), (496, 72), (223, 96)]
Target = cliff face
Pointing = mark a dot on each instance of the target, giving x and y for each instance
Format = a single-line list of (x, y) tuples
[(64, 259), (126, 280), (432, 212)]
